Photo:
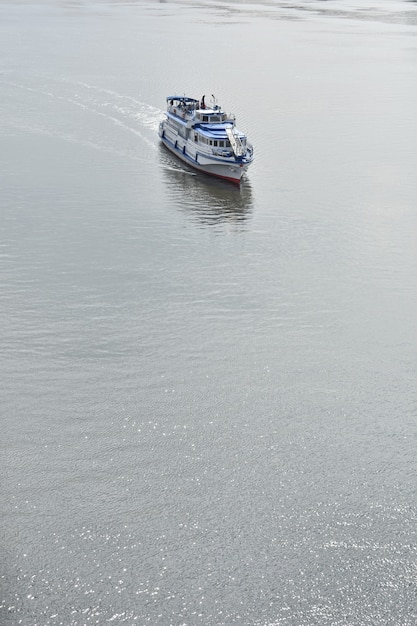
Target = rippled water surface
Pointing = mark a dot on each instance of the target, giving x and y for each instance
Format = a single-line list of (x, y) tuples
[(208, 393)]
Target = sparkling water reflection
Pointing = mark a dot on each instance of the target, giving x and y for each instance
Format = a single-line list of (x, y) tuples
[(207, 200)]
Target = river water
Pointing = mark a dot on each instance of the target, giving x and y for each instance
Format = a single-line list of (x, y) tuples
[(208, 393)]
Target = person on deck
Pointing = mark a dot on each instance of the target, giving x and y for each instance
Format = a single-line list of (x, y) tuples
[(203, 104)]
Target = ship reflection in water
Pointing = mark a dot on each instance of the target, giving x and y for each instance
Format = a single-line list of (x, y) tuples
[(208, 200)]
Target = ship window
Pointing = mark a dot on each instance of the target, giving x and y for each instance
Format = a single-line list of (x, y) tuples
[(215, 142), (205, 118), (195, 137)]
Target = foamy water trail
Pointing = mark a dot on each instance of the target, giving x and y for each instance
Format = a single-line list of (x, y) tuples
[(146, 114), (124, 112), (46, 132), (134, 116)]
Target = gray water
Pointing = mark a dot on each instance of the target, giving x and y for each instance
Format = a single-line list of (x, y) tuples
[(208, 393)]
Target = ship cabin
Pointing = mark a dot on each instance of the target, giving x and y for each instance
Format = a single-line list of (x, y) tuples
[(186, 108), (182, 106), (208, 127)]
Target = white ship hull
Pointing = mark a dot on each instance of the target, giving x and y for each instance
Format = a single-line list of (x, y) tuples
[(205, 139), (227, 170)]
